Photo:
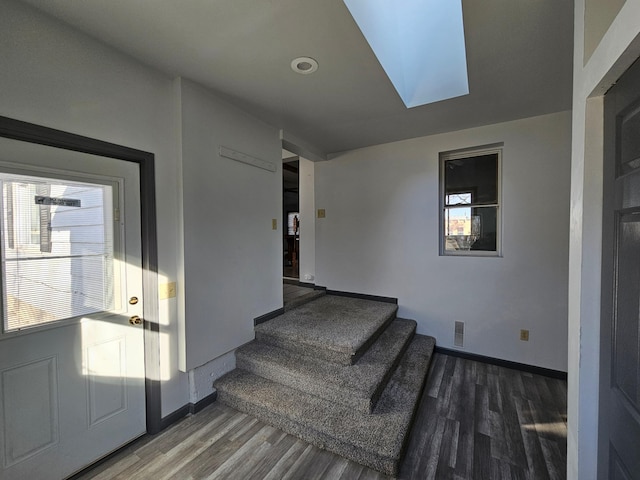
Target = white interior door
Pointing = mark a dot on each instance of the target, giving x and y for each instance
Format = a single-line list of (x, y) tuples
[(71, 354)]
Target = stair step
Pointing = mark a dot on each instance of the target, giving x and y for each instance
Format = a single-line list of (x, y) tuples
[(333, 328), (376, 440), (358, 386)]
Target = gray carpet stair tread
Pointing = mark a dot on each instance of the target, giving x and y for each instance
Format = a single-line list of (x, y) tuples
[(336, 329), (376, 440), (358, 386)]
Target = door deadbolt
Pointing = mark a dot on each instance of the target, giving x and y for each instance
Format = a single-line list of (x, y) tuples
[(135, 320), (133, 300)]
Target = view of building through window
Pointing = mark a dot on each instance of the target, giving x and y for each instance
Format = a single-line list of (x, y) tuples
[(57, 250), (458, 220)]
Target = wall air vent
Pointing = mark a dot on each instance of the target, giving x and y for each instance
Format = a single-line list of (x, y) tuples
[(458, 336)]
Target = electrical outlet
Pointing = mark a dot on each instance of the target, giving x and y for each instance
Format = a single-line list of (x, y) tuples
[(524, 335), (167, 290), (274, 224), (321, 213)]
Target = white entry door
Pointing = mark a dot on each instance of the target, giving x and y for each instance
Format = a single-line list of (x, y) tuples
[(71, 340)]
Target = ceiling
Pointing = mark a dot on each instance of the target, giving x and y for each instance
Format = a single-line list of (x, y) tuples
[(519, 56)]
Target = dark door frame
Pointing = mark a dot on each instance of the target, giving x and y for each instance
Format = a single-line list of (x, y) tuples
[(29, 132)]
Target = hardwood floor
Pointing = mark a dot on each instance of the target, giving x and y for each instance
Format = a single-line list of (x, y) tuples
[(475, 421), (291, 292), (481, 421)]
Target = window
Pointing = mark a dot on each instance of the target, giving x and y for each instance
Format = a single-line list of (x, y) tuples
[(470, 196), (57, 250)]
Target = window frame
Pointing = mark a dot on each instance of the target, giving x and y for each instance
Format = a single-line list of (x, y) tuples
[(495, 149)]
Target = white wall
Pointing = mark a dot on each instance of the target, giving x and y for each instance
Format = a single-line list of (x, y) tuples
[(380, 237), (598, 16), (54, 76), (307, 219), (201, 379), (232, 258), (619, 47)]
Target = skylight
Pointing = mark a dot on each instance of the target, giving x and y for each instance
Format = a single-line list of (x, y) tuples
[(420, 45)]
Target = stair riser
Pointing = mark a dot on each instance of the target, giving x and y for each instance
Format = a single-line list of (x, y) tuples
[(325, 389), (388, 466), (376, 440), (333, 356)]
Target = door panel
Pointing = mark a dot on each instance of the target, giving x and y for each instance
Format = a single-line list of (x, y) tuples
[(619, 422), (105, 359), (31, 389), (71, 364), (617, 470)]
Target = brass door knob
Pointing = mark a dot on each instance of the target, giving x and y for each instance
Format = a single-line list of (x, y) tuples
[(135, 320)]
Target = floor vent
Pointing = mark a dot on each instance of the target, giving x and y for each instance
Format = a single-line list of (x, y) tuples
[(458, 337)]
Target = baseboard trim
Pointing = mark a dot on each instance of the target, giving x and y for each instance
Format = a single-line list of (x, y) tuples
[(202, 404), (546, 372), (189, 408), (362, 296), (174, 416), (268, 316)]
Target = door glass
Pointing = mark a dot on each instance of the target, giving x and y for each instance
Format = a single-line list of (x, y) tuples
[(626, 354), (57, 250), (630, 144)]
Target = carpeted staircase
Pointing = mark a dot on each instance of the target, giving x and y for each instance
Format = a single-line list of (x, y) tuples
[(341, 373)]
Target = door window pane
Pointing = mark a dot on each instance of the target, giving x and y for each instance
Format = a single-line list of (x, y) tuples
[(57, 250)]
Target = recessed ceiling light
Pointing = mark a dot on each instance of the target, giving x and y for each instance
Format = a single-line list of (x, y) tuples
[(304, 65)]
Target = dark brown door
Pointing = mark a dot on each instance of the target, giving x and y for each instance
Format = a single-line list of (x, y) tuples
[(619, 425)]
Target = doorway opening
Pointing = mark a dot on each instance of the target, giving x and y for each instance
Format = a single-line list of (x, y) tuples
[(291, 215), (298, 228)]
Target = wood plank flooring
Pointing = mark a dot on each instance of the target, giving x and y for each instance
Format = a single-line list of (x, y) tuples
[(291, 292), (475, 421)]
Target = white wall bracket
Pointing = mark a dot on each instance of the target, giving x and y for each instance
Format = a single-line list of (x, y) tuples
[(248, 159)]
